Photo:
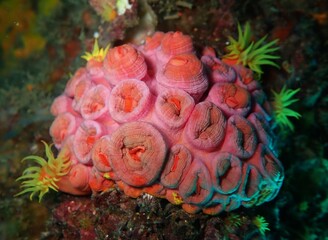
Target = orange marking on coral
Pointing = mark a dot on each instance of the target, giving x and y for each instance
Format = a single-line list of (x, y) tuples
[(120, 50), (91, 140), (128, 103), (63, 134), (247, 79), (242, 97), (96, 107), (230, 61), (79, 90), (139, 180), (136, 152), (178, 61), (232, 102), (95, 184), (103, 159), (176, 102), (175, 163), (220, 68)]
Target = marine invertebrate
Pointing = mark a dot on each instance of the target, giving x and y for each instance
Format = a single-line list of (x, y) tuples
[(261, 224), (64, 125), (154, 119), (137, 151), (206, 127), (249, 53), (281, 103), (97, 53), (173, 107), (39, 179), (129, 100)]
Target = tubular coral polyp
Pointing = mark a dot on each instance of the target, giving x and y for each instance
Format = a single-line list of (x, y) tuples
[(41, 178), (97, 53), (249, 53), (281, 103)]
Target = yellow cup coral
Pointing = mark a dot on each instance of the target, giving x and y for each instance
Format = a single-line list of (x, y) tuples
[(41, 178), (249, 53)]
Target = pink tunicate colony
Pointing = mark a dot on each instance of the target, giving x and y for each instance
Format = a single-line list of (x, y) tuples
[(157, 119)]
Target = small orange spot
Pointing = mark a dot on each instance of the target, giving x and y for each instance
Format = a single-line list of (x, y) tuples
[(103, 159), (95, 184), (139, 180), (95, 107), (246, 75), (231, 60), (242, 97), (235, 96), (136, 152), (79, 90), (178, 61), (62, 134), (231, 102), (128, 103), (91, 140), (176, 102), (220, 68), (175, 163)]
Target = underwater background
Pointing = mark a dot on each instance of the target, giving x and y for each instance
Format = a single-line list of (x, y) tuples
[(41, 47)]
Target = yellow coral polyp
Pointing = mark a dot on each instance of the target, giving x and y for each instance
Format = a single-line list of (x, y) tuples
[(177, 199), (261, 224), (97, 53), (107, 176), (39, 179), (282, 112), (249, 53)]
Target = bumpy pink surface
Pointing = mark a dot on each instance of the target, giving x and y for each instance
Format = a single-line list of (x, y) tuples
[(158, 119)]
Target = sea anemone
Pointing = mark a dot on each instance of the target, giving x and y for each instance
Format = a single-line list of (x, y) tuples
[(282, 113), (41, 178), (249, 53), (261, 224)]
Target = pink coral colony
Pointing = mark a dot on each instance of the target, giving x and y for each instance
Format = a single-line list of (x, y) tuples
[(158, 119)]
